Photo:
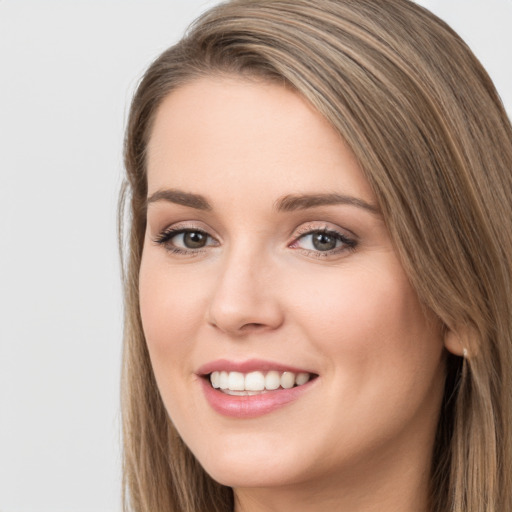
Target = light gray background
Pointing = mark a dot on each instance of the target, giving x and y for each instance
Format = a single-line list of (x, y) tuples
[(67, 71)]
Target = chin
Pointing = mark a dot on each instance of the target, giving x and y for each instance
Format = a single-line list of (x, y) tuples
[(245, 475), (251, 464)]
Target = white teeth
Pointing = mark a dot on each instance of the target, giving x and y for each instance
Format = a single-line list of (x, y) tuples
[(224, 380), (272, 380), (301, 378), (237, 383), (287, 380), (215, 380), (255, 381)]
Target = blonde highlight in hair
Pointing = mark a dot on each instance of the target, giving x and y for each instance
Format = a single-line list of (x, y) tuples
[(431, 134)]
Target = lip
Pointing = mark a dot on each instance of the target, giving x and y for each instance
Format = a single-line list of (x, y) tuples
[(250, 406)]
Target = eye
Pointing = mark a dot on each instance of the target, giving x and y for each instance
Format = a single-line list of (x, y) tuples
[(324, 241), (191, 239), (185, 240)]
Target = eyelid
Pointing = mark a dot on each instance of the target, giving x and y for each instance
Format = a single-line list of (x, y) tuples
[(164, 237), (187, 225), (314, 227), (348, 239), (171, 232)]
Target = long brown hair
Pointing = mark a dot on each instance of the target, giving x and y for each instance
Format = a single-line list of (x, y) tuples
[(431, 134)]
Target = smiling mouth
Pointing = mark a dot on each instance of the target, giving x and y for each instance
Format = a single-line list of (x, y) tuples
[(256, 382)]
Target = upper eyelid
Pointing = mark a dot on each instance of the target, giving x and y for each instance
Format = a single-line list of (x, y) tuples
[(347, 240), (174, 231), (324, 227), (186, 226), (165, 237), (296, 233)]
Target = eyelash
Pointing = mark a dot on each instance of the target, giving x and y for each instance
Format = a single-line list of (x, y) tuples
[(165, 237), (348, 244)]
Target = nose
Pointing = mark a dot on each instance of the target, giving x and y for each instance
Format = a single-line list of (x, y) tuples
[(246, 297)]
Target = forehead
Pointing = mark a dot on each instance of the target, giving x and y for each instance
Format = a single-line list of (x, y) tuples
[(248, 134)]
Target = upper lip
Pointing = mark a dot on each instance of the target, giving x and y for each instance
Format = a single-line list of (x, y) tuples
[(247, 366)]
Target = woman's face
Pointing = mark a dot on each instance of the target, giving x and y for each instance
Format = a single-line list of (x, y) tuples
[(266, 265)]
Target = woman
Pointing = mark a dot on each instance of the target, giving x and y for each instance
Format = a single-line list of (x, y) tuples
[(318, 283)]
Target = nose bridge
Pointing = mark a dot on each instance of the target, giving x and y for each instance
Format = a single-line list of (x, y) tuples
[(244, 298)]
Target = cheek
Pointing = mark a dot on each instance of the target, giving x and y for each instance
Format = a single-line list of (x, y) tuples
[(170, 315), (168, 298), (383, 356), (371, 325)]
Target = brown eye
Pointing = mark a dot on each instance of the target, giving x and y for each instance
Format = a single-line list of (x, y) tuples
[(194, 239), (183, 240), (324, 241)]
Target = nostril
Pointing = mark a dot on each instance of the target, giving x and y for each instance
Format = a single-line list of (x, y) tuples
[(252, 326)]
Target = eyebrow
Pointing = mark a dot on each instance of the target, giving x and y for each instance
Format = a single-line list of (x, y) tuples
[(288, 203), (295, 202), (196, 201)]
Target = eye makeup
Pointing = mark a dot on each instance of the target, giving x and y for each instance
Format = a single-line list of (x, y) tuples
[(324, 242), (185, 240), (312, 240)]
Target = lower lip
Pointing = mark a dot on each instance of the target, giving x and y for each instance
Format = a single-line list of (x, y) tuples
[(251, 406)]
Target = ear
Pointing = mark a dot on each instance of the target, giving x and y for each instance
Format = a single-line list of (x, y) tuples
[(456, 343)]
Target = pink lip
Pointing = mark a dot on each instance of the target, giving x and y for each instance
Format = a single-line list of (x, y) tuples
[(250, 365), (250, 406)]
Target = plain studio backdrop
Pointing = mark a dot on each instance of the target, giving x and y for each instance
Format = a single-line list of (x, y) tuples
[(67, 72)]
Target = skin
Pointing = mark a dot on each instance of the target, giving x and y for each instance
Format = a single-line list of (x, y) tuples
[(361, 437)]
